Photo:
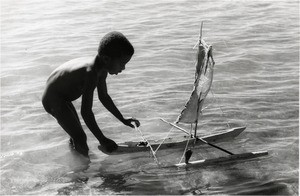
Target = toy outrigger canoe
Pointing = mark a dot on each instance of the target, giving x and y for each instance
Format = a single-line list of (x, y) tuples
[(171, 143), (190, 115)]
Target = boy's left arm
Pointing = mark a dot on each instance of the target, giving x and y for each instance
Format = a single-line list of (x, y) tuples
[(110, 106)]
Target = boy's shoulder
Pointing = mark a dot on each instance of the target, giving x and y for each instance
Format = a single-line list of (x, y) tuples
[(79, 61), (76, 63)]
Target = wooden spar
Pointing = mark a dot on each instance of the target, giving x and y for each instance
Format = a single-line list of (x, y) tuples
[(242, 156), (198, 138), (196, 123), (200, 37), (197, 116), (196, 126)]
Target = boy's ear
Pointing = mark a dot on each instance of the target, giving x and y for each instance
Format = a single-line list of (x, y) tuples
[(106, 59)]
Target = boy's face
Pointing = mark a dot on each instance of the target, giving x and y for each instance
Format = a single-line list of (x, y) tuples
[(117, 65)]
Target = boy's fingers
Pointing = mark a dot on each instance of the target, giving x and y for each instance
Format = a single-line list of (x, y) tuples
[(137, 123), (132, 122)]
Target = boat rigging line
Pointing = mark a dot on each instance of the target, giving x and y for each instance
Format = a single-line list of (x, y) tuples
[(148, 144)]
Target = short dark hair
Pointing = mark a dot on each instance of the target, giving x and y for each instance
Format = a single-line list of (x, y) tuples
[(115, 44)]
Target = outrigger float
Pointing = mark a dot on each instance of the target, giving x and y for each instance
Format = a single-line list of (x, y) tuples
[(190, 115)]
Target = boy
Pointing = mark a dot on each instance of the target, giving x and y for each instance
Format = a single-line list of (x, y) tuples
[(77, 78)]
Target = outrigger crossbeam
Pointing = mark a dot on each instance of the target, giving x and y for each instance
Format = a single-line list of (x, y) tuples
[(235, 157)]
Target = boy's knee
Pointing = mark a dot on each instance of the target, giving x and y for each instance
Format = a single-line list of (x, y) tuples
[(50, 108)]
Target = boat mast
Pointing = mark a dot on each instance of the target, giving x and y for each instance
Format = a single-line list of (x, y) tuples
[(198, 103), (196, 123), (200, 36)]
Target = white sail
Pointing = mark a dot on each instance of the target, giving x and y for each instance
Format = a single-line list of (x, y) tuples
[(202, 84)]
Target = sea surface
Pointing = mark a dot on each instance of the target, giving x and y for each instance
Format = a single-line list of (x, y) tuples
[(256, 84)]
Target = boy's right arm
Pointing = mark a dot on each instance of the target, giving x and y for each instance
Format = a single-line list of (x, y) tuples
[(109, 104), (88, 115)]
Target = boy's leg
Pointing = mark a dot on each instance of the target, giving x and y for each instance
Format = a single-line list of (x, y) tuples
[(69, 122), (71, 106), (67, 117)]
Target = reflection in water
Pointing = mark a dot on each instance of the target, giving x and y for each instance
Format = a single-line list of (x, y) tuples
[(114, 182), (76, 186), (134, 174), (131, 175), (231, 178), (277, 187), (78, 177)]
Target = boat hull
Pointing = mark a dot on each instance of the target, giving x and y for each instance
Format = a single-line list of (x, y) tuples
[(132, 147)]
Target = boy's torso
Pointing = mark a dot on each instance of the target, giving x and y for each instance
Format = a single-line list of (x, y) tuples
[(68, 80)]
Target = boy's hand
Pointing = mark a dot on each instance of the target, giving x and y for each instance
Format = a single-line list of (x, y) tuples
[(108, 144), (129, 122)]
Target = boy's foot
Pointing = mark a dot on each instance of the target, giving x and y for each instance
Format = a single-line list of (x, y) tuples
[(79, 149), (83, 151)]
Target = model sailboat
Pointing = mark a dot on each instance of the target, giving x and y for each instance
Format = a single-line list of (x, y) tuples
[(190, 115)]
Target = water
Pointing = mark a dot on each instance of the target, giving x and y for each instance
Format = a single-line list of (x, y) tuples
[(256, 83)]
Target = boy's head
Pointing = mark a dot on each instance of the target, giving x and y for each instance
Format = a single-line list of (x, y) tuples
[(115, 45), (115, 51)]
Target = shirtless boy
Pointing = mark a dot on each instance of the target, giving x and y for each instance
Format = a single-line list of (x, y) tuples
[(80, 78)]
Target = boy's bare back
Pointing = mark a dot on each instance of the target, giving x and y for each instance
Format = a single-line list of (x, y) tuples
[(69, 79)]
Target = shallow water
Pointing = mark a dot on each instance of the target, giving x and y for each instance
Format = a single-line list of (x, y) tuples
[(256, 83)]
